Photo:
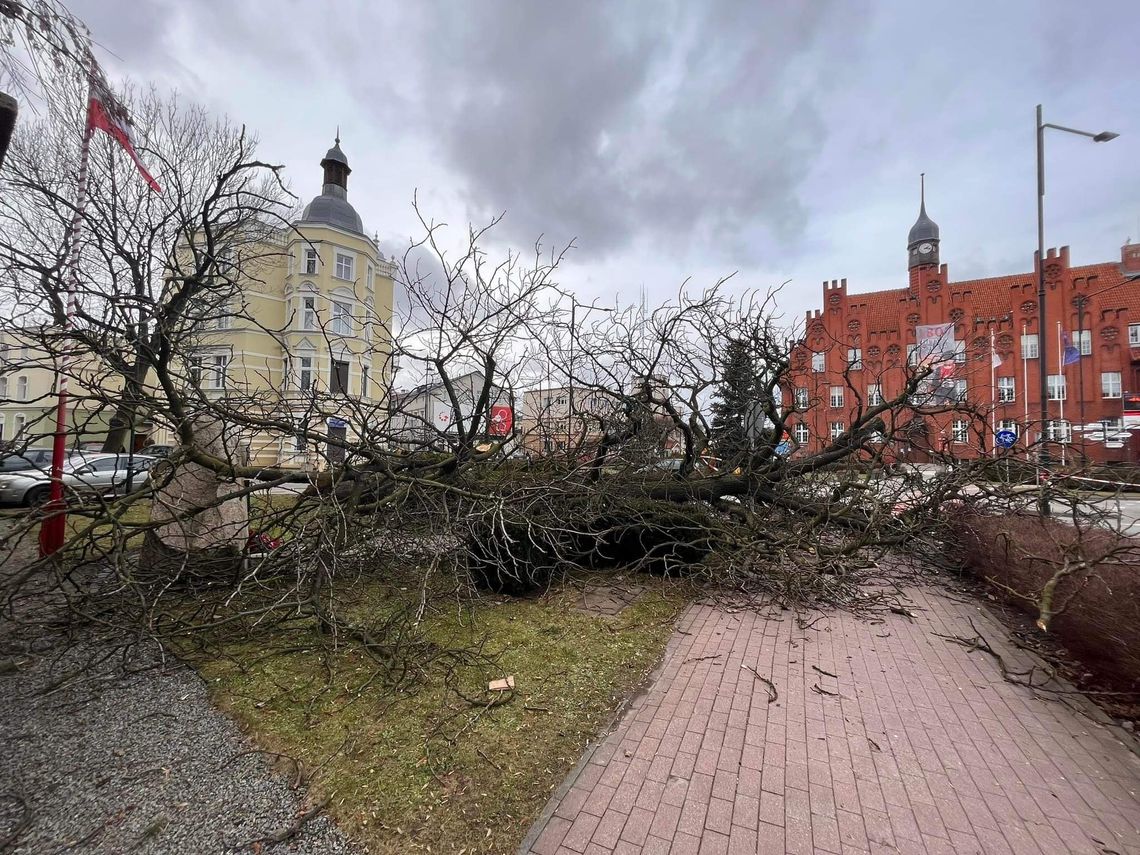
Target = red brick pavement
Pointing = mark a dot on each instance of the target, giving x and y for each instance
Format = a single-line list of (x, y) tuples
[(917, 745)]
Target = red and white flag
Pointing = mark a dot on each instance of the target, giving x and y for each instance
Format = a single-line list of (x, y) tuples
[(104, 113)]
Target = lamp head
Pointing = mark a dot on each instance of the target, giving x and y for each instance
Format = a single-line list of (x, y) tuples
[(1105, 136)]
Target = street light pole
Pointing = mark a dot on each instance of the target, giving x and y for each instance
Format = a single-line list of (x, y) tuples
[(1042, 337)]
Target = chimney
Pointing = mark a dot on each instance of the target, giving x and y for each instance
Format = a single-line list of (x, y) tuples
[(1130, 258)]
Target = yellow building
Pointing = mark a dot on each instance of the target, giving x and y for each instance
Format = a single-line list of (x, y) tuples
[(305, 343), (310, 344)]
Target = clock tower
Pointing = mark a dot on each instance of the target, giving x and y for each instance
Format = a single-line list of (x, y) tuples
[(922, 245)]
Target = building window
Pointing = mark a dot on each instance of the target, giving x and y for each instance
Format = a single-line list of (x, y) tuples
[(836, 397), (837, 429), (305, 373), (299, 437), (1029, 346), (874, 395), (338, 379), (960, 352), (370, 281), (817, 362), (224, 320), (960, 390), (854, 358), (20, 421), (801, 399), (1083, 339), (1134, 335), (1110, 384), (1007, 390), (912, 354), (3, 424), (961, 429), (800, 434), (1009, 424), (219, 366), (4, 387), (364, 381), (309, 313), (21, 388), (312, 259), (194, 370), (1056, 387), (1060, 430), (344, 266), (341, 319)]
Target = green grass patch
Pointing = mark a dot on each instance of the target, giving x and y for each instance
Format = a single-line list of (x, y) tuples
[(424, 769)]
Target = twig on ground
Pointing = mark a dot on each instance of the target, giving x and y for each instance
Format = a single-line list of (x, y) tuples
[(291, 830), (773, 695), (824, 673), (815, 688)]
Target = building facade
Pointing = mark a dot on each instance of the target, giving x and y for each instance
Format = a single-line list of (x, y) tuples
[(860, 348), (303, 343)]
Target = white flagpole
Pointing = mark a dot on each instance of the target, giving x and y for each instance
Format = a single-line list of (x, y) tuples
[(1061, 377), (993, 393), (1025, 387)]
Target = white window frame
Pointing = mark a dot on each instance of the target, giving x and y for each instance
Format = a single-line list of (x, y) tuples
[(309, 312), (1082, 339), (305, 373), (219, 370), (1056, 387), (835, 397), (855, 359), (960, 430), (800, 398), (1029, 346), (961, 389), (836, 429), (1060, 430), (818, 363), (1010, 424), (194, 370), (3, 387), (800, 433), (22, 388), (19, 424), (365, 371), (912, 354), (341, 318), (959, 352), (1134, 335), (1007, 390), (311, 261), (874, 394), (1110, 384), (345, 266)]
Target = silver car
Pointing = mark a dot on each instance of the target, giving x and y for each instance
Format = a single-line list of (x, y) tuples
[(83, 474)]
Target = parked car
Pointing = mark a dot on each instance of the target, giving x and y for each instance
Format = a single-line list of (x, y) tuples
[(158, 450), (29, 458), (83, 474)]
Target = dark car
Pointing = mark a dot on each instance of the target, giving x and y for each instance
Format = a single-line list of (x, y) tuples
[(22, 461)]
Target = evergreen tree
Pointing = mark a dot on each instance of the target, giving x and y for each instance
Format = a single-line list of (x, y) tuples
[(734, 406)]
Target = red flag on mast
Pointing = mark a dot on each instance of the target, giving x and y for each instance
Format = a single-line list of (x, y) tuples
[(104, 113)]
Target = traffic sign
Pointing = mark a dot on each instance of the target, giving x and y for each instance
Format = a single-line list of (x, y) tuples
[(336, 423), (1005, 438)]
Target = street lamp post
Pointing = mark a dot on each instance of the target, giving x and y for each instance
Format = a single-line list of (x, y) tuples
[(1042, 336)]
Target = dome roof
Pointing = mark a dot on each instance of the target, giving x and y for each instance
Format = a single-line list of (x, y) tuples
[(924, 228), (332, 206), (335, 154), (334, 210)]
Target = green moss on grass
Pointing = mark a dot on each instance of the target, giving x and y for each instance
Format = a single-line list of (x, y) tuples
[(425, 770)]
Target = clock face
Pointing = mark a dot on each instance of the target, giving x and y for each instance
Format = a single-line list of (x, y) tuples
[(925, 248)]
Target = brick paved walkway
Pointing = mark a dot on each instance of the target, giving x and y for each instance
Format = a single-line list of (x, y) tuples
[(921, 748)]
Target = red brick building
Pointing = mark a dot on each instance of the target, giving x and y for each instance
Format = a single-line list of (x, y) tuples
[(857, 346)]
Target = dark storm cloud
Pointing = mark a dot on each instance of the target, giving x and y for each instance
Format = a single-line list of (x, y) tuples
[(667, 123)]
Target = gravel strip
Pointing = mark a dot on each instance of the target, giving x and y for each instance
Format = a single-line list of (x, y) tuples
[(115, 762)]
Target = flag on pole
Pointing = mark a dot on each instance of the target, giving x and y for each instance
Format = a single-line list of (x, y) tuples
[(1070, 353), (106, 114)]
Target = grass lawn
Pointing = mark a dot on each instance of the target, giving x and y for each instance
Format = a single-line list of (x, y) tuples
[(425, 770)]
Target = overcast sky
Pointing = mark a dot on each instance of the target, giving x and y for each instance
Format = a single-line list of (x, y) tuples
[(677, 140)]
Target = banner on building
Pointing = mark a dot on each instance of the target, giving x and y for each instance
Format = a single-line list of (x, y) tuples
[(502, 420), (935, 350)]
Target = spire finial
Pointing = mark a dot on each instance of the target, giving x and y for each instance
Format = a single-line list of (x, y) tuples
[(922, 189), (338, 134)]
